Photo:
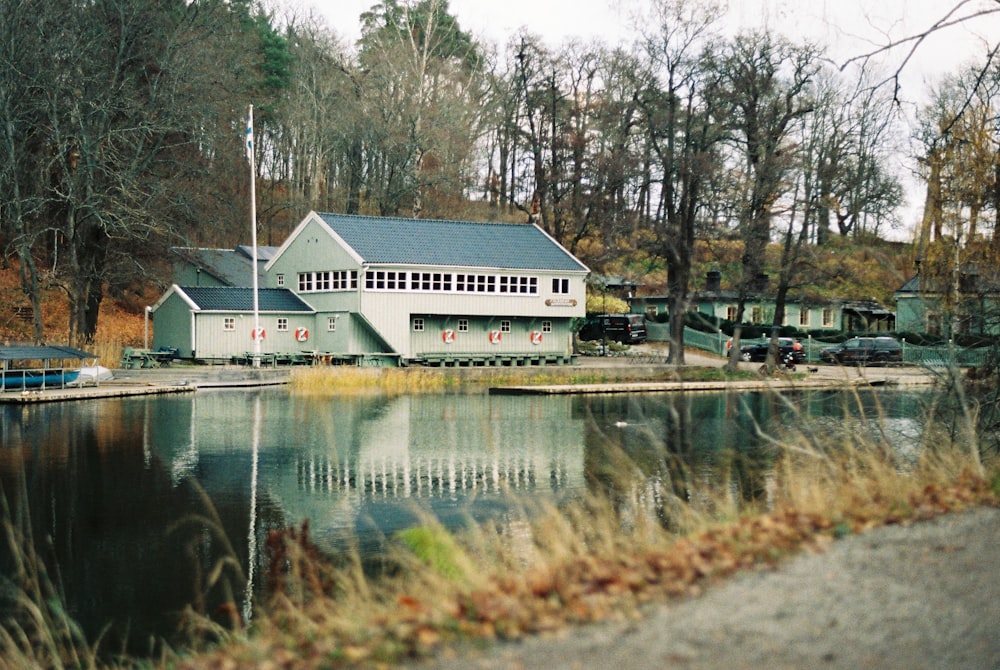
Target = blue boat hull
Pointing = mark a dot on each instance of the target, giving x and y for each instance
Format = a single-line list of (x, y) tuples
[(13, 380)]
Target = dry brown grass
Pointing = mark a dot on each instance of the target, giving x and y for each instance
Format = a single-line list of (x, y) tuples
[(120, 323), (352, 381)]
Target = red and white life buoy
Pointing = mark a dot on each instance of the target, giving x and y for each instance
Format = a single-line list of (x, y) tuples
[(301, 334), (495, 337), (258, 333), (536, 337), (448, 336)]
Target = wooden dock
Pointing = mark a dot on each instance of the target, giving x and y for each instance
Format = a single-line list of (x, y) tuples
[(691, 386), (157, 381), (105, 390)]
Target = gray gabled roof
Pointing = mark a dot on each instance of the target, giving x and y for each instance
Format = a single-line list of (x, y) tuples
[(513, 246), (238, 299), (229, 266)]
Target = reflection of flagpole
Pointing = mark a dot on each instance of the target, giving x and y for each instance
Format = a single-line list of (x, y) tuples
[(252, 533), (257, 334)]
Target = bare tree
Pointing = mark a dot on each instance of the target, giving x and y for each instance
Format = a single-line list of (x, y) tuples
[(421, 79), (118, 109), (685, 118), (765, 104)]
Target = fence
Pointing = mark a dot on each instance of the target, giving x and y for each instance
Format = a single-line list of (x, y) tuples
[(924, 356)]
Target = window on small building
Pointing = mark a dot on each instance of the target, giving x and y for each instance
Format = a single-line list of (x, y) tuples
[(282, 325), (731, 313), (229, 323), (463, 325), (331, 324), (418, 325), (280, 279), (933, 323), (756, 314), (505, 326), (827, 317), (560, 285), (803, 315), (546, 326)]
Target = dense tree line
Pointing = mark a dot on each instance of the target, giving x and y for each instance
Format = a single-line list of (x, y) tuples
[(121, 123)]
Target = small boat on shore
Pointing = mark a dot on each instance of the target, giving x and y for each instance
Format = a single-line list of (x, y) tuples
[(13, 380)]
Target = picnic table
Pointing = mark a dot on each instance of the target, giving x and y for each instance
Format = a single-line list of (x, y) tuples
[(133, 359)]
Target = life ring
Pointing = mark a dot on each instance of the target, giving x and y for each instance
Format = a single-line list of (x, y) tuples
[(448, 336), (536, 337), (258, 333), (495, 337), (301, 334)]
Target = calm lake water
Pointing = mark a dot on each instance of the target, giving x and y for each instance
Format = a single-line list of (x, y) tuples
[(133, 501)]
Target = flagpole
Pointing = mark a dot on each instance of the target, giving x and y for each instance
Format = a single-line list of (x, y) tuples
[(257, 334)]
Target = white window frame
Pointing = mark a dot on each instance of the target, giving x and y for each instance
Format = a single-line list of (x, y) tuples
[(331, 324), (229, 323), (546, 326), (463, 325), (827, 317), (282, 326), (280, 279), (505, 326), (418, 324)]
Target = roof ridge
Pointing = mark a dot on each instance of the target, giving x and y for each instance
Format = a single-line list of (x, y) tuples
[(369, 217)]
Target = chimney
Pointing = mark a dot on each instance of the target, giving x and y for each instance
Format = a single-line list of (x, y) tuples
[(713, 281)]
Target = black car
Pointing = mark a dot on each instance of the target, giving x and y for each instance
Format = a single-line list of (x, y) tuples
[(864, 350), (624, 328), (788, 349)]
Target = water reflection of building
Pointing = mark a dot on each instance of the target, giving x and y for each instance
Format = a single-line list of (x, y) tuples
[(361, 465), (447, 447)]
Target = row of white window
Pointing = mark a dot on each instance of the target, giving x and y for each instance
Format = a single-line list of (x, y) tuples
[(447, 282), (461, 325), (757, 315)]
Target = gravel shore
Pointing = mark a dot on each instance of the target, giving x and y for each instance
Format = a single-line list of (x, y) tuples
[(922, 596)]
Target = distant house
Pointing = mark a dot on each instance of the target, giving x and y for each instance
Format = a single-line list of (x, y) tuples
[(800, 312), (938, 307), (403, 290)]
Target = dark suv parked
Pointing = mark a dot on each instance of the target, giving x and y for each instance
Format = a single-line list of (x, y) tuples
[(624, 328), (864, 350)]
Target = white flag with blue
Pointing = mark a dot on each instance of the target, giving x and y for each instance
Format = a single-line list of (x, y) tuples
[(250, 134)]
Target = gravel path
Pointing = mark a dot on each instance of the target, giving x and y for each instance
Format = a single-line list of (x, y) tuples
[(924, 596)]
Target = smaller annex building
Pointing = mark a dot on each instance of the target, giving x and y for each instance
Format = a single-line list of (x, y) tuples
[(373, 290)]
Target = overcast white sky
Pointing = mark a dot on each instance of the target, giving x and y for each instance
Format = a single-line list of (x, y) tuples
[(849, 26)]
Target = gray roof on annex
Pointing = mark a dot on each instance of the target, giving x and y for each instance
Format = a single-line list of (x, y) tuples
[(238, 299), (514, 246)]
